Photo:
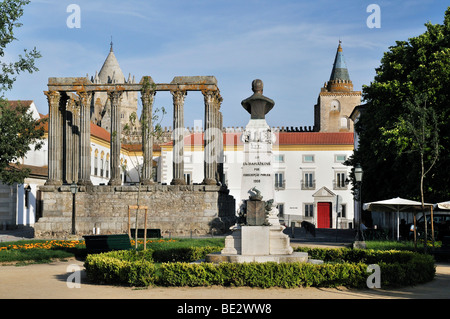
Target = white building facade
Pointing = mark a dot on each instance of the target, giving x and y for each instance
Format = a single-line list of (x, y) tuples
[(309, 175)]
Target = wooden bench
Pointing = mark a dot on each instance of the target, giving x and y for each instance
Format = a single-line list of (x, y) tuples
[(102, 243), (151, 233)]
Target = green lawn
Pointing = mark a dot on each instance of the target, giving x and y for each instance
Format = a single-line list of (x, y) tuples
[(44, 251)]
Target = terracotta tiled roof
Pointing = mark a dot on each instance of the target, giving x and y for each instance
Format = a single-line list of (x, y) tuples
[(100, 132), (15, 103), (315, 138), (35, 171), (283, 138)]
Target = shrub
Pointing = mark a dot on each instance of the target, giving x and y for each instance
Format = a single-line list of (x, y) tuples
[(121, 267), (263, 275), (183, 254), (344, 267)]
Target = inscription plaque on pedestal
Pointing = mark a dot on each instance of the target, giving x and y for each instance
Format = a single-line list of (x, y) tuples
[(256, 214)]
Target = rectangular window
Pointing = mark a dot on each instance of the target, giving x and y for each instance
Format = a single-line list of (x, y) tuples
[(278, 158), (308, 181), (308, 158), (340, 158), (343, 213), (107, 169), (187, 178), (340, 180), (279, 180), (308, 208), (280, 207), (101, 167)]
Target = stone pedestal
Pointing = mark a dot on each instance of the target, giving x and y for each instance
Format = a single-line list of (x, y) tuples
[(257, 244), (255, 240)]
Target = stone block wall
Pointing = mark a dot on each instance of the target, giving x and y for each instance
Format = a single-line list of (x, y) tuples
[(178, 210)]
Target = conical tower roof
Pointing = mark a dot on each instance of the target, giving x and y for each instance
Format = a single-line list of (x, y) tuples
[(340, 71), (339, 79), (111, 71)]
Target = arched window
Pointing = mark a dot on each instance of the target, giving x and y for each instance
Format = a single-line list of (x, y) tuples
[(344, 122), (102, 163), (96, 162), (107, 166), (335, 106)]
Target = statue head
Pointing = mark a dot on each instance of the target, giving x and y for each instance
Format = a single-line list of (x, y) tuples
[(257, 86)]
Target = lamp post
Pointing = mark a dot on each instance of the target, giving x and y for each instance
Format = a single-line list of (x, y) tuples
[(358, 179), (73, 190)]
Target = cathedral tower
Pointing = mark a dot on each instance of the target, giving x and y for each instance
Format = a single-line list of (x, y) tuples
[(336, 99), (101, 106)]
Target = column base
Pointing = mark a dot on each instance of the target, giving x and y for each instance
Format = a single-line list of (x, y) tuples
[(147, 182), (177, 181), (209, 181), (85, 183), (115, 182), (53, 182)]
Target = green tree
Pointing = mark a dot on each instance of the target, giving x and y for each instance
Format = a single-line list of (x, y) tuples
[(19, 133), (417, 132), (410, 69), (18, 130)]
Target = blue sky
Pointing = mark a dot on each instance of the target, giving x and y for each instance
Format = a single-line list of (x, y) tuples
[(290, 45)]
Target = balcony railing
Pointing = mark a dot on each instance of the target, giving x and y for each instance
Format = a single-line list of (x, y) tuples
[(305, 185), (280, 185), (340, 185)]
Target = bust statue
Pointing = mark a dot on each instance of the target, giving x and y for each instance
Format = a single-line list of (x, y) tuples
[(258, 105)]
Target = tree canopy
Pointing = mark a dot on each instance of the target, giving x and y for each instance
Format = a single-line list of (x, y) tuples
[(415, 69), (19, 131)]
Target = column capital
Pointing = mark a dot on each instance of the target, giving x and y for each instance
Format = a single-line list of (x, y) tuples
[(147, 96), (178, 96), (115, 95), (52, 96), (85, 96)]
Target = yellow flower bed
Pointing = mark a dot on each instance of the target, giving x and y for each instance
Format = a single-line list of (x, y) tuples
[(49, 244)]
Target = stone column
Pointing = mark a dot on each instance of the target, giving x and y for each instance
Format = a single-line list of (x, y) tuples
[(116, 133), (76, 141), (68, 176), (209, 145), (147, 98), (54, 139), (178, 137), (220, 146), (84, 174)]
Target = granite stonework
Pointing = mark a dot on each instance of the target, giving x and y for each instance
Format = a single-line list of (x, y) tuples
[(177, 210)]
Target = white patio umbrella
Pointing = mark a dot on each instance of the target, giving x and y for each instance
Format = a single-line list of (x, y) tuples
[(396, 205), (442, 205)]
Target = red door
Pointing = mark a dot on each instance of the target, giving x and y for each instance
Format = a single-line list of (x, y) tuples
[(323, 215)]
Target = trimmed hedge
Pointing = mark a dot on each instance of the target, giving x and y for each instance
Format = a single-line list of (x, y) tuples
[(342, 267), (183, 254), (263, 275), (122, 267)]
